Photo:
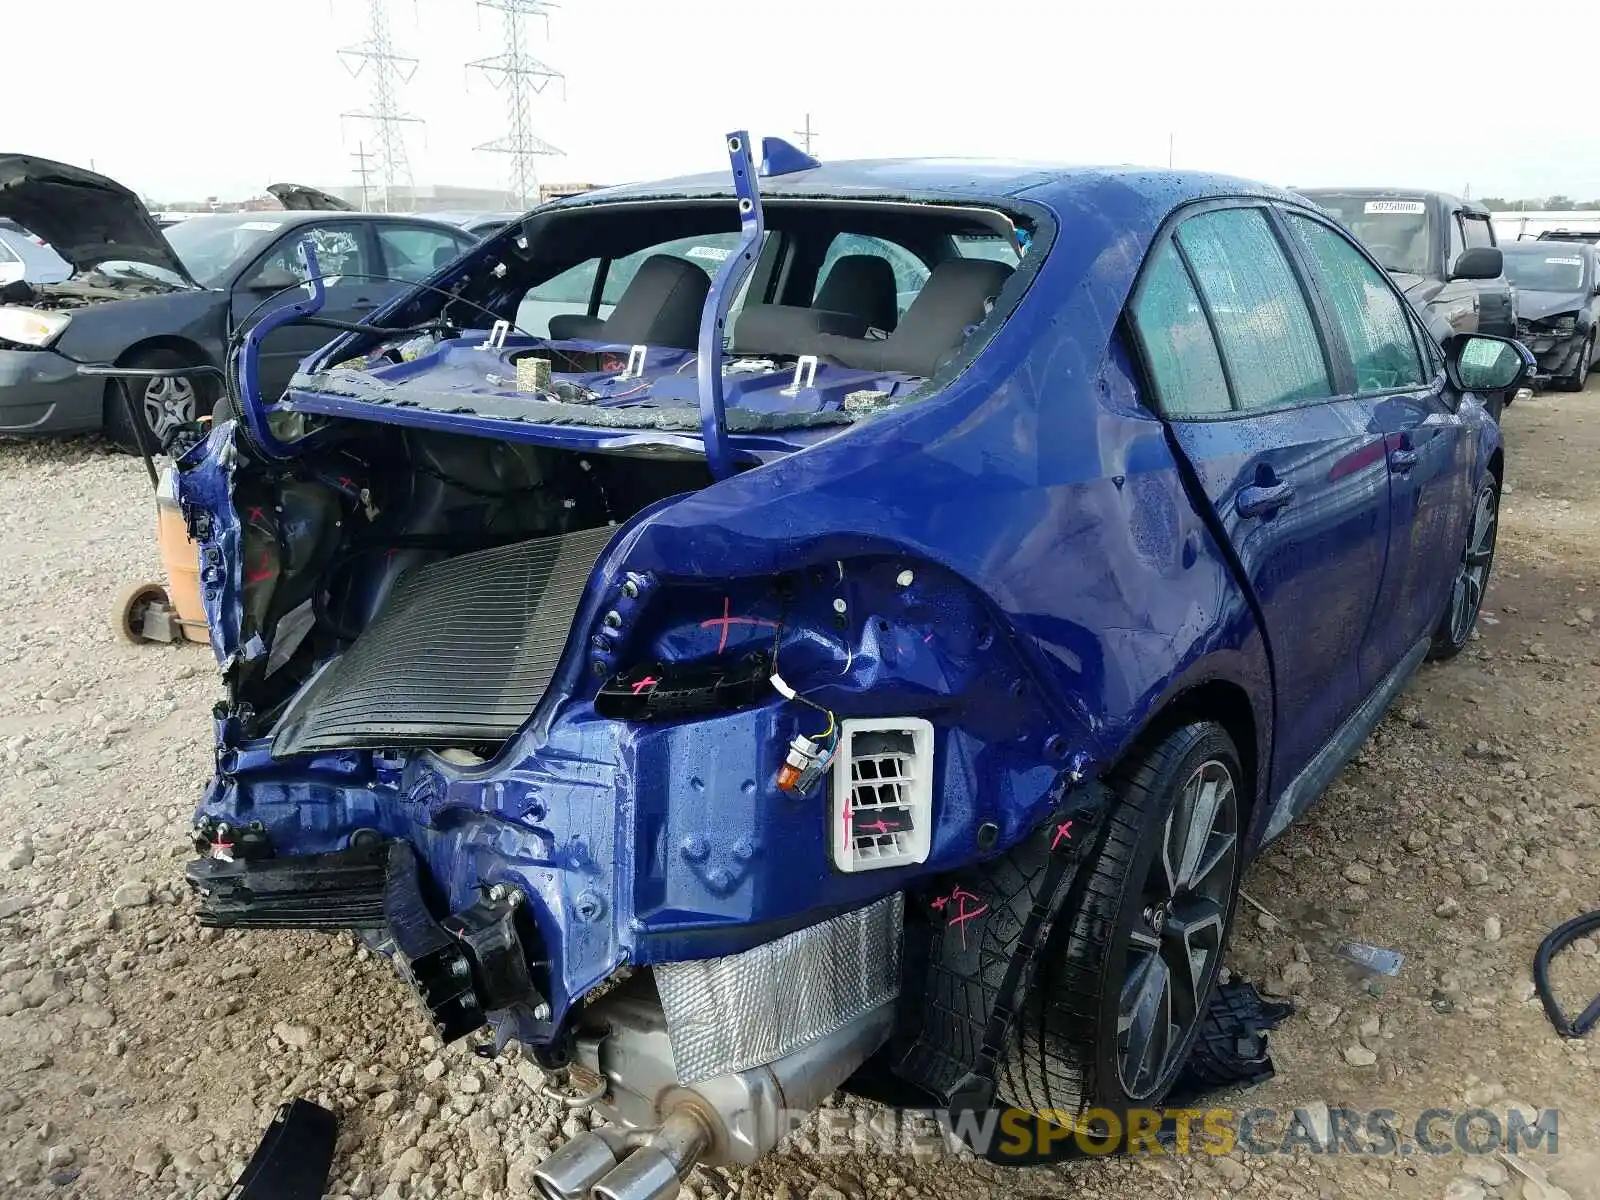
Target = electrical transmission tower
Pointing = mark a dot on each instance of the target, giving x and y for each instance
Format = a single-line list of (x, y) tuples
[(520, 76), (386, 73)]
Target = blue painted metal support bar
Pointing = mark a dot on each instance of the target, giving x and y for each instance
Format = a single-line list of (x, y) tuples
[(253, 408), (729, 278)]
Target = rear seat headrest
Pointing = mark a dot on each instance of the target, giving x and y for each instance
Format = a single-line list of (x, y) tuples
[(862, 284), (956, 296), (790, 330), (661, 305)]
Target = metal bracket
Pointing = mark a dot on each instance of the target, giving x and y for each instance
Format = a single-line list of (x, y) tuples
[(253, 409), (725, 286), (497, 336), (635, 366), (805, 375)]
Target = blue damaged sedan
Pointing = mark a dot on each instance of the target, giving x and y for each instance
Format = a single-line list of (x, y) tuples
[(863, 647)]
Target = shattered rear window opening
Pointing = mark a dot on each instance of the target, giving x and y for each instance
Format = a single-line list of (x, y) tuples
[(602, 306)]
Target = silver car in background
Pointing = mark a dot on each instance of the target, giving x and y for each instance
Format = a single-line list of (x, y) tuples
[(23, 256)]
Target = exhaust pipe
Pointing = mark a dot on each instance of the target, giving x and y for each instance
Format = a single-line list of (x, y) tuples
[(656, 1169), (571, 1171)]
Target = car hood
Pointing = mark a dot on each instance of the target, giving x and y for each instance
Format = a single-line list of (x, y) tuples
[(298, 197), (87, 218), (1535, 306)]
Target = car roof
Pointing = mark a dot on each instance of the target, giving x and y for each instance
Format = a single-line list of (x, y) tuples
[(1392, 193), (290, 217), (1534, 246), (942, 180)]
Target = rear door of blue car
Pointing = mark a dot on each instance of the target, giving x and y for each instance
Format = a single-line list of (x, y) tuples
[(1259, 398), (1399, 374)]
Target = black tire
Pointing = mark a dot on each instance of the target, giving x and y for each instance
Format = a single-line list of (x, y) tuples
[(194, 395), (1461, 610), (1579, 379), (1066, 1054)]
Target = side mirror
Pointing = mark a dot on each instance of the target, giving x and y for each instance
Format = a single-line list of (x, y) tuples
[(1480, 262), (273, 279), (1478, 362)]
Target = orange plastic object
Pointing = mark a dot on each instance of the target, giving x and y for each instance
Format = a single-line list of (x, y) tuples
[(181, 558)]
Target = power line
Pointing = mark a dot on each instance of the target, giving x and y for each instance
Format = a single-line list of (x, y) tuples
[(520, 76), (387, 72)]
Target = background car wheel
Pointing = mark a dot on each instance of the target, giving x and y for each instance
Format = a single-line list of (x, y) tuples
[(1130, 970), (1579, 378), (160, 405), (1472, 576)]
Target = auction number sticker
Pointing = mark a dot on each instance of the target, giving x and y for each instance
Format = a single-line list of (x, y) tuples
[(1413, 208), (1563, 262)]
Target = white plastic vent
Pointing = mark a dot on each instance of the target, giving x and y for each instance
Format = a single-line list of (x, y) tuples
[(882, 793)]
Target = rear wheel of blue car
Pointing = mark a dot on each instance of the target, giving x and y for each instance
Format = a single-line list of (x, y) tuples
[(1472, 576), (1130, 968)]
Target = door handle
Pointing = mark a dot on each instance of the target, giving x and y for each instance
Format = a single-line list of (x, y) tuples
[(1262, 501), (1402, 459)]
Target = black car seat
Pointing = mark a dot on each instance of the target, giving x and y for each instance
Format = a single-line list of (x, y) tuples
[(863, 286), (789, 330), (957, 295), (661, 306)]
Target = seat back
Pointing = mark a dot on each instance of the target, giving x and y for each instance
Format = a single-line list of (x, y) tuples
[(661, 305), (956, 296), (862, 285)]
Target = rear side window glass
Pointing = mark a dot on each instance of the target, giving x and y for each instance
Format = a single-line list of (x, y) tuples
[(413, 253), (1375, 325), (708, 252), (1264, 326), (1179, 350), (990, 246), (910, 272)]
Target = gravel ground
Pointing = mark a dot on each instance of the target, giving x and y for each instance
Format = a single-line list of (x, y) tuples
[(142, 1057)]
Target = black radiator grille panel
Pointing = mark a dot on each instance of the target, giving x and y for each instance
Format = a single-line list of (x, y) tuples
[(460, 655)]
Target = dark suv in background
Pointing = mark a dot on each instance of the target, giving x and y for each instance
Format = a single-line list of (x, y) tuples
[(1440, 249)]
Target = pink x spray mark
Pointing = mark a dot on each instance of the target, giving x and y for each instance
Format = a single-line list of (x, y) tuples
[(967, 907), (726, 620), (1063, 834), (649, 681)]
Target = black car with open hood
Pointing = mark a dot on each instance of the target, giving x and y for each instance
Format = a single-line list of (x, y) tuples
[(88, 219), (142, 297)]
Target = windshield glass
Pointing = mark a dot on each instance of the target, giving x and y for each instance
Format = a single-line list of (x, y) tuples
[(1546, 271), (1396, 231), (208, 246)]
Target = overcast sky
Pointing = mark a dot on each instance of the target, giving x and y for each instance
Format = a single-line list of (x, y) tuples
[(182, 99)]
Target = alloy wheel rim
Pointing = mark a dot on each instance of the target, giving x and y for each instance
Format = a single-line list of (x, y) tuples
[(1175, 946), (168, 403), (1467, 594)]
